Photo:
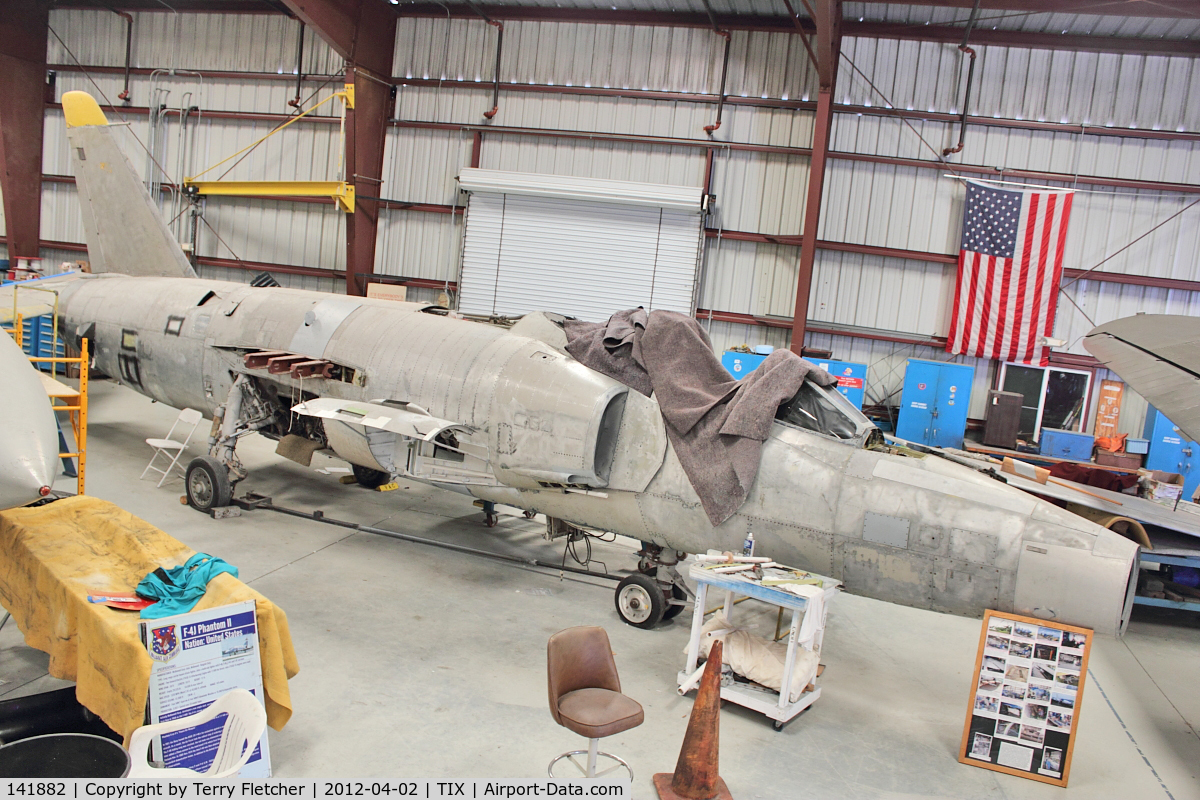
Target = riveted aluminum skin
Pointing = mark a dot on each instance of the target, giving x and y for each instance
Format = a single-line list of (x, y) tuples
[(523, 423)]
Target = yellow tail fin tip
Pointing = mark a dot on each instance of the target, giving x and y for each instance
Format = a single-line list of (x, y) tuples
[(81, 109)]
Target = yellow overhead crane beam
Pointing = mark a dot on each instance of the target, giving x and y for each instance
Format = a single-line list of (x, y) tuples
[(341, 192)]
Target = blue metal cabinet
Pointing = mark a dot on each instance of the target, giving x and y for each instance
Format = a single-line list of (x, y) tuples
[(933, 408), (1171, 451), (1066, 444), (37, 339), (851, 377), (739, 365)]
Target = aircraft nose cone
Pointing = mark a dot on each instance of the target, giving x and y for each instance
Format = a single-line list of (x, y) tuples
[(28, 430), (26, 469)]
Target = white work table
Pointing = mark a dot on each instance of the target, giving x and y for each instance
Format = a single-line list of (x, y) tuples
[(773, 704)]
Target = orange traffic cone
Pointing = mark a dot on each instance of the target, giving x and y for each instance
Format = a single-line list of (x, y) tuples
[(695, 776)]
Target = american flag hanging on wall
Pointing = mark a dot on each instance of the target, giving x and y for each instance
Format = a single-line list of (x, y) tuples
[(1009, 269)]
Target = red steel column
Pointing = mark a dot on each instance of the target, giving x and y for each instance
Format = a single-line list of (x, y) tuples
[(366, 131), (828, 22), (364, 33), (24, 26)]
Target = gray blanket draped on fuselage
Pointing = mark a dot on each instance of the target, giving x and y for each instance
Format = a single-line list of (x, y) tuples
[(716, 423)]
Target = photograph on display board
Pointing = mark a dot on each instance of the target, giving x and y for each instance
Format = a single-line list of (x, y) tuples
[(1016, 672), (997, 643), (1045, 652), (1038, 693), (1015, 691), (1024, 630), (1026, 728), (1042, 672)]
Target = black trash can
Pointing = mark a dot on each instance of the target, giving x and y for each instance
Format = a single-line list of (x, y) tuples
[(64, 755)]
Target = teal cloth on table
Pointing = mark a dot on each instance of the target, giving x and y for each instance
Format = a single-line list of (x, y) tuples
[(184, 585)]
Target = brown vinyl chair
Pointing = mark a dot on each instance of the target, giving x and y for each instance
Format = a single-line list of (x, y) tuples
[(585, 695)]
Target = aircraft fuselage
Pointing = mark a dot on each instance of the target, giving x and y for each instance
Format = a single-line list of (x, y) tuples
[(561, 439)]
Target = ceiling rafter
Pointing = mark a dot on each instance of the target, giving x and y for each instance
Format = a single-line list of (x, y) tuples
[(1189, 48)]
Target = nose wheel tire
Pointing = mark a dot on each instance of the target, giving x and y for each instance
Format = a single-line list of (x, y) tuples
[(370, 478), (640, 601), (207, 484)]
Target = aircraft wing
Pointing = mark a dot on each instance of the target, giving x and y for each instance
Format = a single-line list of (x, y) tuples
[(427, 448), (1159, 356)]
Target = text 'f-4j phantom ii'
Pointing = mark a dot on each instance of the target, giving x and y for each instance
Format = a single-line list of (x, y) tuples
[(515, 416)]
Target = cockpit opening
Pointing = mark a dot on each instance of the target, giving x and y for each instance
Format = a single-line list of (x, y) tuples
[(823, 411)]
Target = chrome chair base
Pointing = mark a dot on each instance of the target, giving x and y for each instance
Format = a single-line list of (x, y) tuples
[(589, 771)]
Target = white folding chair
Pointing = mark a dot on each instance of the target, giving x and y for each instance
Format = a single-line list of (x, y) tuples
[(244, 726), (170, 447)]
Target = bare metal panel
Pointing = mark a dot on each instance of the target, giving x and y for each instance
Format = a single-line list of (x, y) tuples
[(320, 323), (882, 529), (1050, 585), (960, 587), (877, 571), (980, 548), (929, 539), (1159, 356)]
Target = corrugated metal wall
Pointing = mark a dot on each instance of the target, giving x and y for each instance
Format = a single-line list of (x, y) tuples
[(756, 192)]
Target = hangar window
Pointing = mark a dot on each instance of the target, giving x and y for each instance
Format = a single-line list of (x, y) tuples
[(583, 247)]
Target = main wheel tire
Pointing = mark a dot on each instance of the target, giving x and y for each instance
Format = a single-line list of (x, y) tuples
[(207, 484), (370, 478), (640, 601), (673, 610)]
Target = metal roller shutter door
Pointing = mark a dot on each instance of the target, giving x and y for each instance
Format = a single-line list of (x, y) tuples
[(583, 258)]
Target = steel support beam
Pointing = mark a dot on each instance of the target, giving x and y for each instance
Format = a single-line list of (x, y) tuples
[(366, 129), (951, 34), (1182, 9), (364, 33), (24, 26), (1185, 9), (829, 40)]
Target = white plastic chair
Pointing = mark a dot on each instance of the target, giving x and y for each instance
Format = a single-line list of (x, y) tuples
[(243, 728), (170, 447)]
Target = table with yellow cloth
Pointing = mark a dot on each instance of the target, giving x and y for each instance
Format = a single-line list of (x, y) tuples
[(53, 556)]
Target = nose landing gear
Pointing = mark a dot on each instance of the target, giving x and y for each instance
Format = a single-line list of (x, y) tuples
[(656, 592)]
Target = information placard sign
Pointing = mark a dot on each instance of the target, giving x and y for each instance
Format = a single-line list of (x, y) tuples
[(1025, 696), (198, 657)]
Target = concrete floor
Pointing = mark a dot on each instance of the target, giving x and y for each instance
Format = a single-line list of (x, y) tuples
[(417, 662)]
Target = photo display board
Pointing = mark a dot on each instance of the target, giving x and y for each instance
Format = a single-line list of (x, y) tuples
[(1024, 710)]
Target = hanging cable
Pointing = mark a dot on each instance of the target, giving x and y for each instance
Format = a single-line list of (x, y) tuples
[(1131, 244), (890, 104), (812, 56), (110, 103)]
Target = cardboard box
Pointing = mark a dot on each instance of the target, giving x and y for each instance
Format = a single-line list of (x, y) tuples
[(1161, 487)]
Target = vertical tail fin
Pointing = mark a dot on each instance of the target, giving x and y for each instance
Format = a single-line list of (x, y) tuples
[(124, 231)]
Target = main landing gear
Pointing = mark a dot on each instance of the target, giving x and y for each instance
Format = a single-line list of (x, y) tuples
[(656, 592), (209, 479)]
